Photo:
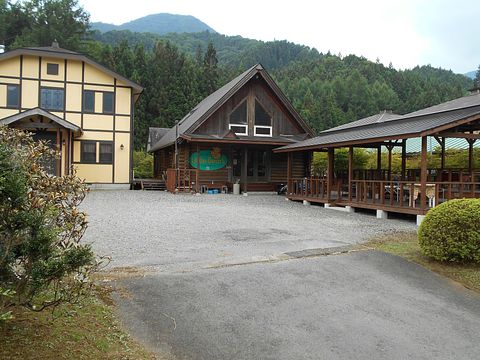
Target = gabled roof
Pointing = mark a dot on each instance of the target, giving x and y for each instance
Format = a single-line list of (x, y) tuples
[(155, 134), (374, 119), (418, 123), (40, 112), (214, 101), (57, 52)]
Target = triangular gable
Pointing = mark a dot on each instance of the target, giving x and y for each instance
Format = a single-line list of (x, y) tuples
[(39, 112)]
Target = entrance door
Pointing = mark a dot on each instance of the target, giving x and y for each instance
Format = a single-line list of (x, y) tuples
[(257, 167), (49, 164)]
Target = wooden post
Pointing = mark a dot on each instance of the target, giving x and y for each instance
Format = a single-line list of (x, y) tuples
[(470, 156), (245, 169), (350, 172), (59, 149), (379, 162), (197, 173), (404, 159), (442, 160), (330, 170), (423, 174), (389, 174), (289, 172)]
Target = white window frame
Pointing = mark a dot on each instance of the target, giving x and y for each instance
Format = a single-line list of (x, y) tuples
[(245, 126), (262, 127)]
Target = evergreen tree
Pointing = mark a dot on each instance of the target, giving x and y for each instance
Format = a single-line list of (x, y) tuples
[(476, 81), (210, 71)]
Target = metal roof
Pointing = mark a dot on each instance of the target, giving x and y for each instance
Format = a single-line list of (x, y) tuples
[(374, 119), (40, 112), (405, 126), (155, 134), (57, 52), (214, 101)]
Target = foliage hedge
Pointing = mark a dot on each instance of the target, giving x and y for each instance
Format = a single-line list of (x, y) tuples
[(451, 231)]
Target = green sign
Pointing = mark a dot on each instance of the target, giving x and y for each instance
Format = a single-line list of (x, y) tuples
[(209, 159)]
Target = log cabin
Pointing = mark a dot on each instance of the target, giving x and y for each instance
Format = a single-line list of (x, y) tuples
[(76, 105), (229, 137)]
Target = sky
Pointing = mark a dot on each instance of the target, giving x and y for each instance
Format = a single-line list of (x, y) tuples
[(442, 33)]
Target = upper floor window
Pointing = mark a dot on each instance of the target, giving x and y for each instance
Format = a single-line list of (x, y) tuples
[(13, 96), (263, 121), (89, 101), (52, 69), (108, 103), (52, 98), (238, 119)]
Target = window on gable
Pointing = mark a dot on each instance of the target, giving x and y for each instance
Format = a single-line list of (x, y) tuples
[(88, 154), (106, 153), (52, 69), (263, 121), (52, 99), (13, 96), (89, 101), (108, 103), (238, 119)]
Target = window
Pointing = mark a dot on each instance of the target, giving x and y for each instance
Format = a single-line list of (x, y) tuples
[(88, 152), (263, 121), (13, 96), (52, 69), (108, 102), (238, 119), (89, 101), (106, 153), (51, 98)]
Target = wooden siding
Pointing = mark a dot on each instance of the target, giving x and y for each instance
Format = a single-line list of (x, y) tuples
[(282, 122)]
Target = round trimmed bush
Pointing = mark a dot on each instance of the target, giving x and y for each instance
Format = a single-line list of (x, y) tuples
[(451, 231)]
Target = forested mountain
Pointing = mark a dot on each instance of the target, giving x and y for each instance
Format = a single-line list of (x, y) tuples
[(178, 70), (158, 24)]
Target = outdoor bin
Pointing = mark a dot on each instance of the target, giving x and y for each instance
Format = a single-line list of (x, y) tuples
[(236, 189)]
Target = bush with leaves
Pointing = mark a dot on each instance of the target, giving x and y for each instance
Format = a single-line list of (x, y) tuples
[(451, 231), (142, 165), (42, 261)]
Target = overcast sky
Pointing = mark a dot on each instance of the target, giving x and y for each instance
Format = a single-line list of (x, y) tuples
[(443, 33)]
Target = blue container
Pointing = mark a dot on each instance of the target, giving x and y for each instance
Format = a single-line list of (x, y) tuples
[(216, 191), (211, 192)]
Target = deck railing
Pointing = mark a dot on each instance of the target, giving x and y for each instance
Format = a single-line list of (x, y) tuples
[(181, 180), (384, 194)]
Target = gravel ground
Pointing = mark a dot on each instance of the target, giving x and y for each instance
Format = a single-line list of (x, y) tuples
[(179, 232)]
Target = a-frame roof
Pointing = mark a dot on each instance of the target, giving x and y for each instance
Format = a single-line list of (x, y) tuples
[(376, 128), (214, 101), (57, 52)]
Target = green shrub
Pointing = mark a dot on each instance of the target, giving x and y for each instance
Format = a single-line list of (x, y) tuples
[(142, 165), (451, 231)]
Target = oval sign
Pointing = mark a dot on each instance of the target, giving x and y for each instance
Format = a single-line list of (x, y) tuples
[(209, 159)]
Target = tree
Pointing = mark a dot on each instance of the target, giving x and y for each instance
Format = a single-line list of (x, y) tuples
[(476, 81), (42, 260), (210, 71), (40, 22)]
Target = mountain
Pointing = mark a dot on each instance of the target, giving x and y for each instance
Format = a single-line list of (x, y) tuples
[(158, 24), (232, 51), (471, 74)]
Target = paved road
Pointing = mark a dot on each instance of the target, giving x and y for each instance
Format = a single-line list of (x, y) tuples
[(141, 228), (363, 305)]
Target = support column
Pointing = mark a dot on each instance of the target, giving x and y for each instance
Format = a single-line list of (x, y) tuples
[(404, 159), (471, 142), (197, 173), (442, 161), (59, 149), (244, 170), (330, 170), (389, 174), (350, 172), (423, 174), (379, 162), (289, 172)]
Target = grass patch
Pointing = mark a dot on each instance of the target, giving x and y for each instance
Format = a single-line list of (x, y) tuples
[(406, 245), (88, 330)]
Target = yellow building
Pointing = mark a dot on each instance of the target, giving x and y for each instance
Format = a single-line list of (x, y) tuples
[(78, 105)]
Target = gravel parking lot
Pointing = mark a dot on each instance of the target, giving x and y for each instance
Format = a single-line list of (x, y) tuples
[(141, 228)]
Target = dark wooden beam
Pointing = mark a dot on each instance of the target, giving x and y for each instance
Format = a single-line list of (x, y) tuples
[(36, 126), (404, 159), (423, 174), (350, 172), (330, 170)]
